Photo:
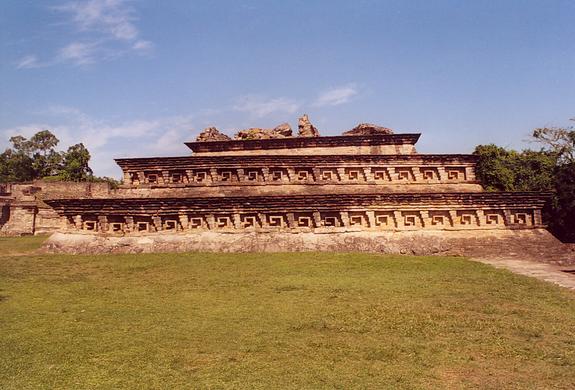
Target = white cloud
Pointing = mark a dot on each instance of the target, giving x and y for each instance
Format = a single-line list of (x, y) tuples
[(169, 143), (28, 62), (111, 17), (258, 107), (63, 110), (105, 29), (79, 53), (336, 96), (105, 140), (27, 131), (142, 45)]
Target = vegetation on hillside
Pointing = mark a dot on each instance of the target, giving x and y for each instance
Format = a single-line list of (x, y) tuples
[(37, 158), (552, 169)]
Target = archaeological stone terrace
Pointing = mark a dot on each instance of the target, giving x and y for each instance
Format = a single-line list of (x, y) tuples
[(268, 190)]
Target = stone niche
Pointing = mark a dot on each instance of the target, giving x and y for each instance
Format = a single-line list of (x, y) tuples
[(254, 175), (223, 221), (304, 220), (278, 221), (440, 219), (278, 174), (178, 177), (381, 174), (171, 223), (304, 174), (197, 222), (404, 174), (228, 175), (455, 173), (358, 219), (328, 174), (133, 178), (384, 220), (330, 219), (522, 217), (153, 177), (143, 224), (466, 218), (90, 224), (250, 221), (411, 219), (429, 173), (354, 174), (494, 218), (200, 176)]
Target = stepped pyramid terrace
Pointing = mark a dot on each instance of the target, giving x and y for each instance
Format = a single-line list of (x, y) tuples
[(268, 190)]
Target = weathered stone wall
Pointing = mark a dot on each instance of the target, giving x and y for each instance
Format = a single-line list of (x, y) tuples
[(23, 210), (46, 189), (338, 145), (536, 243), (253, 175), (297, 213), (375, 149), (291, 178), (21, 220), (292, 189), (47, 221), (4, 214), (65, 189)]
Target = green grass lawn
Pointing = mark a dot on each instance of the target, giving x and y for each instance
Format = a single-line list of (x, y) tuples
[(170, 321)]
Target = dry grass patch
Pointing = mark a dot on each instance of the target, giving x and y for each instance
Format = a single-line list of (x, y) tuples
[(20, 245)]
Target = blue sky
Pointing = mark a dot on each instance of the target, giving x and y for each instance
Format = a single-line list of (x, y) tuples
[(137, 78)]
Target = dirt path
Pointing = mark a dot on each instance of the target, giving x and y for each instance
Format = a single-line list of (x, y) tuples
[(547, 272)]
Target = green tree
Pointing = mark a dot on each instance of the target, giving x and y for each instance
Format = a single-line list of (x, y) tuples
[(493, 168), (75, 164), (37, 158), (560, 140), (15, 166), (20, 144), (550, 169), (500, 169), (36, 154), (46, 159), (563, 217), (534, 170), (43, 142)]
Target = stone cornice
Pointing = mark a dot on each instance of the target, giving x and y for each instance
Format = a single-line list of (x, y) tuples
[(164, 206), (289, 160), (303, 142)]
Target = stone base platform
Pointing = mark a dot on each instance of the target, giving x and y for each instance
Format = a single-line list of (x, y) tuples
[(533, 244)]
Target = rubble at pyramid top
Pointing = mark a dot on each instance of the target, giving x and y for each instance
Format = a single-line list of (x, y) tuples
[(305, 128), (282, 131), (368, 129), (212, 134)]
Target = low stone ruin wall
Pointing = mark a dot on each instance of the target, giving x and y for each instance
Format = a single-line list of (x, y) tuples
[(537, 244), (24, 212)]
